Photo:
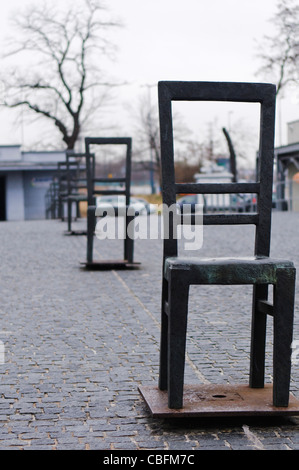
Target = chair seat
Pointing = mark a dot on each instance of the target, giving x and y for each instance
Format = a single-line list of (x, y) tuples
[(247, 270)]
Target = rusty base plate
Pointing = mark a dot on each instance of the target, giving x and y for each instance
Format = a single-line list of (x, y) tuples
[(109, 264), (218, 400), (75, 232)]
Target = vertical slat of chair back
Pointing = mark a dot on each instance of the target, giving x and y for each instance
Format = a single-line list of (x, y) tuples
[(71, 172), (211, 91), (78, 180), (167, 167), (90, 170), (265, 172)]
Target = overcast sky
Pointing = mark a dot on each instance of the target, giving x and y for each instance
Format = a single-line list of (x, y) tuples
[(179, 40)]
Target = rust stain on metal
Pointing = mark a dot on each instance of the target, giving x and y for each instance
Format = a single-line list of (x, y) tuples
[(218, 400)]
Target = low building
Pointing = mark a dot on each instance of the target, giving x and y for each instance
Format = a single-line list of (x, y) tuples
[(24, 180), (287, 170)]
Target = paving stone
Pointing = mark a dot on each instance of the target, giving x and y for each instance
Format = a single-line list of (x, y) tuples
[(78, 344)]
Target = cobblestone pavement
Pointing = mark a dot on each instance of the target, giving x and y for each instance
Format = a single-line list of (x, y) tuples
[(78, 343)]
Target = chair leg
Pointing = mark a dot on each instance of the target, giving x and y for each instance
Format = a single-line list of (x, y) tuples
[(178, 293), (258, 338), (78, 215), (69, 215), (129, 238), (163, 376), (91, 219), (284, 293), (60, 210)]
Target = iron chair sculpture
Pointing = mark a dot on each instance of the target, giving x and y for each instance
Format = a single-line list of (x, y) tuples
[(51, 200), (65, 172), (93, 191), (62, 188), (76, 187), (260, 270)]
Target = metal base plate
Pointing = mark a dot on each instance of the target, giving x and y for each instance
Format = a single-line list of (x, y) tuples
[(218, 400), (76, 232), (110, 264)]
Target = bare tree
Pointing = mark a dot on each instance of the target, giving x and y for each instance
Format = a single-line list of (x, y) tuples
[(65, 52), (147, 149), (280, 52)]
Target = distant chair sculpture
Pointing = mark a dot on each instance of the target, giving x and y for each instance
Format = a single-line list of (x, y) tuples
[(51, 200), (76, 186), (260, 270), (61, 188), (122, 188)]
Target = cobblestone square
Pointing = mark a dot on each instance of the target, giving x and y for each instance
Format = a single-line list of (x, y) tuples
[(76, 344)]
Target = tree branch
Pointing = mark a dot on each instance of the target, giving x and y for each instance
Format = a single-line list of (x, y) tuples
[(38, 110), (62, 84)]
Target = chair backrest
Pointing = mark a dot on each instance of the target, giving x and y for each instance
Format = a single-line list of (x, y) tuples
[(76, 180), (265, 94), (125, 181)]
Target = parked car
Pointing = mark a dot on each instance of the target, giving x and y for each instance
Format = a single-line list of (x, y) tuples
[(118, 205), (218, 203), (209, 202), (246, 203), (188, 203)]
